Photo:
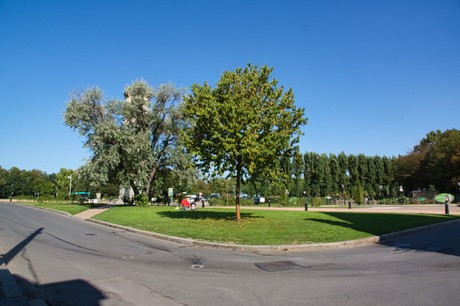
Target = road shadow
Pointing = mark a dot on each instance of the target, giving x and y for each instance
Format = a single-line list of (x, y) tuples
[(69, 293), (205, 214), (72, 292), (6, 258), (408, 232), (378, 224), (440, 238)]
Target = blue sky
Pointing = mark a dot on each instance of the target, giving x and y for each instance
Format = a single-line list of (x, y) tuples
[(373, 76)]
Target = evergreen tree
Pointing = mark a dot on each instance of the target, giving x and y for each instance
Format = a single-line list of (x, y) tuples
[(307, 174), (358, 194), (353, 172), (343, 166), (315, 182), (297, 169), (335, 174), (324, 175)]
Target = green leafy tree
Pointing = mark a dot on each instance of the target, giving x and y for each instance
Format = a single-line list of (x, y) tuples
[(243, 125), (40, 184), (63, 182), (434, 161), (3, 183), (18, 183), (130, 140), (443, 164)]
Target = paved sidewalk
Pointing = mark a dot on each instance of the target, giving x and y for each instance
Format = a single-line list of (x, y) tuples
[(434, 209), (88, 214)]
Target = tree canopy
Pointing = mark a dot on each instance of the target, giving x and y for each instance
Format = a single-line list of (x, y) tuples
[(243, 126), (432, 164), (130, 140)]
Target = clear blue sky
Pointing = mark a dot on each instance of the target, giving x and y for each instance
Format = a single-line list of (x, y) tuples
[(374, 76)]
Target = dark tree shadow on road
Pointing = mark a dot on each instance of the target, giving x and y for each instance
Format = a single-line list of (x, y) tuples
[(378, 224), (404, 232)]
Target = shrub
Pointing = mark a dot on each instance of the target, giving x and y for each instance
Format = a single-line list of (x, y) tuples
[(317, 202), (358, 194), (142, 200)]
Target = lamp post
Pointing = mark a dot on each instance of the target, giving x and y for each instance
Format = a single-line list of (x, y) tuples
[(446, 205), (401, 190), (306, 200), (346, 179), (70, 186)]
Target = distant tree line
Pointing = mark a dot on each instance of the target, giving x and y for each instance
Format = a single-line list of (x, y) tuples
[(37, 184), (433, 164)]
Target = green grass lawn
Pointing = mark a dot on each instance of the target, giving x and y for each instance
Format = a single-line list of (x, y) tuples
[(72, 209), (264, 227)]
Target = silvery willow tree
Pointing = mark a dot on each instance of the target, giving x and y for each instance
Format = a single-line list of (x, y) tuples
[(130, 140), (243, 126)]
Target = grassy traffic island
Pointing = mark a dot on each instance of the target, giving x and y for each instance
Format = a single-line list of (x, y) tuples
[(264, 227), (257, 227)]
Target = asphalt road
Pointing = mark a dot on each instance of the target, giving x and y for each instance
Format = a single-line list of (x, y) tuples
[(68, 261)]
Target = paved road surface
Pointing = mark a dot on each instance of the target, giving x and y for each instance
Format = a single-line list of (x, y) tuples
[(68, 261)]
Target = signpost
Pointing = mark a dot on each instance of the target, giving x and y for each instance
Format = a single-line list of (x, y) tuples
[(441, 197), (445, 198), (170, 194)]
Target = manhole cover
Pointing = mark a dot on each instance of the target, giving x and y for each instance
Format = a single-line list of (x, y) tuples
[(278, 266)]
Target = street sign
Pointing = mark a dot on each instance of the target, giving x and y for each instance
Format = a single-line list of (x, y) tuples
[(441, 198)]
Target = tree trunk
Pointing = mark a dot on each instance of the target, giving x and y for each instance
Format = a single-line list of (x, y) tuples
[(136, 192), (238, 188), (150, 182)]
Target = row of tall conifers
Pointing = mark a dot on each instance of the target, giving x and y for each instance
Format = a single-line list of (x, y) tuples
[(433, 164), (320, 175)]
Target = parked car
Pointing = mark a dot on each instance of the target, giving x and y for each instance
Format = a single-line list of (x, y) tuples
[(259, 200)]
